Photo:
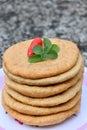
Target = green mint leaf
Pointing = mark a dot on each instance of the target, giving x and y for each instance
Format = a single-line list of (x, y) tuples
[(52, 54), (55, 48), (43, 56), (47, 45), (38, 50), (35, 58)]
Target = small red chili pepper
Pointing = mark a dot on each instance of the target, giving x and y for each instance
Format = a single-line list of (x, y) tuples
[(36, 41)]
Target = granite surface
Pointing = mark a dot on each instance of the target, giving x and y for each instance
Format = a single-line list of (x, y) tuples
[(25, 19)]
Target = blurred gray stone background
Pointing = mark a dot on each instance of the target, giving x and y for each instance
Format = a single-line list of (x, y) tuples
[(24, 19)]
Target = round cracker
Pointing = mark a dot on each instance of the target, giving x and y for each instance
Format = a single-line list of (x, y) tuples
[(42, 91), (49, 101), (51, 80), (16, 61), (42, 120), (31, 110)]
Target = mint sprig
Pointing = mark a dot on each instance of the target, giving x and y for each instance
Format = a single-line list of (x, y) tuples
[(47, 51)]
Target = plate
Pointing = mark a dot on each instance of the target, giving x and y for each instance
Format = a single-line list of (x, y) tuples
[(76, 122)]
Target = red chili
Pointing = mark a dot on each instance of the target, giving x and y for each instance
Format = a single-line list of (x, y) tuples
[(36, 41)]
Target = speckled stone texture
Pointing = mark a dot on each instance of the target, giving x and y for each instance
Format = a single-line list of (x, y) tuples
[(24, 19)]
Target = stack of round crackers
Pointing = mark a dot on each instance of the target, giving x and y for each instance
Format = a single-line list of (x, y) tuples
[(46, 92)]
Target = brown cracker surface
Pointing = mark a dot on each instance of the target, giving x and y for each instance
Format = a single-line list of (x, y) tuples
[(16, 61), (46, 102), (42, 91), (32, 110), (42, 120), (51, 80)]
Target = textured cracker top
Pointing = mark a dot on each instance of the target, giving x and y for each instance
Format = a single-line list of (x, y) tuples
[(16, 61)]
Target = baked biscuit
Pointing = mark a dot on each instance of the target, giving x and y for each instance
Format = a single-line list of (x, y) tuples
[(50, 80), (16, 61), (49, 101), (42, 120), (42, 91), (32, 110)]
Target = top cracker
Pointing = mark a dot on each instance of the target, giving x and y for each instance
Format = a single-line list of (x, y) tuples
[(16, 61)]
